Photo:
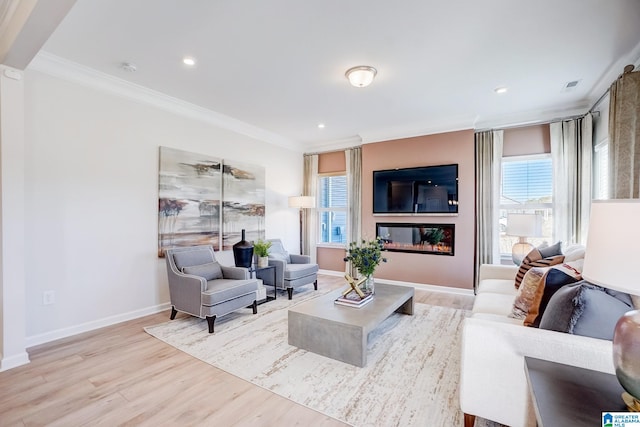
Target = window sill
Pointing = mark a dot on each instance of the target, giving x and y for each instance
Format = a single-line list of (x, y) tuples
[(331, 245)]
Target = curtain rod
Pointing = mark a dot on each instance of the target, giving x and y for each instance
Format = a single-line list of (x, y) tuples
[(540, 122), (606, 92)]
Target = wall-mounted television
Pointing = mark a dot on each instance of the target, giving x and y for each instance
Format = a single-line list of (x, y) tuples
[(420, 190)]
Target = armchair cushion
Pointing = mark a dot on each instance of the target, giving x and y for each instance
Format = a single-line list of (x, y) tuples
[(296, 271), (191, 258), (239, 273), (277, 250), (209, 271), (299, 259), (280, 257), (221, 290)]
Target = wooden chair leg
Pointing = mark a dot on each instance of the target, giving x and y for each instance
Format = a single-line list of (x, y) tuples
[(315, 285), (469, 420), (211, 320), (173, 312), (255, 307), (290, 292)]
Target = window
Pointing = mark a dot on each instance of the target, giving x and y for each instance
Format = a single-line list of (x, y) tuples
[(332, 209), (601, 170), (526, 187)]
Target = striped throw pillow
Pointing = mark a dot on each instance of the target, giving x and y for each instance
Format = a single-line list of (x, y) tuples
[(534, 259)]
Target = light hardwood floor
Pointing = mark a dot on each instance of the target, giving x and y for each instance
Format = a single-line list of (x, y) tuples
[(120, 375)]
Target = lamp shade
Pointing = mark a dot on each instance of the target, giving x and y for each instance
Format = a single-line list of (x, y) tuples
[(524, 225), (302, 202), (612, 245)]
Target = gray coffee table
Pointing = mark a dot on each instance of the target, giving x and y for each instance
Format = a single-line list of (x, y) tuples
[(340, 332)]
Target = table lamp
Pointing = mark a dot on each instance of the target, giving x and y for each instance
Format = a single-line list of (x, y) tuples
[(523, 226), (302, 202), (611, 261)]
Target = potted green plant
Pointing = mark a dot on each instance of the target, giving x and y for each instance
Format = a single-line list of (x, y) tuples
[(365, 257), (261, 249)]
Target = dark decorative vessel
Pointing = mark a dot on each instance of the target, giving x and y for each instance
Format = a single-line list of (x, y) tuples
[(243, 252)]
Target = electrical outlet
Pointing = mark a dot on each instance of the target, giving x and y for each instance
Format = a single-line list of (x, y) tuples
[(48, 297)]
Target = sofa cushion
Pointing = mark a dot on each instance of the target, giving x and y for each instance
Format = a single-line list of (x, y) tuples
[(490, 303), (209, 271), (535, 259), (537, 288), (497, 286), (573, 253), (585, 309), (191, 258), (549, 251)]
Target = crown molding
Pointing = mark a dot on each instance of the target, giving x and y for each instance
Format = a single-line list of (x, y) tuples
[(601, 88), (530, 118), (334, 145), (70, 71)]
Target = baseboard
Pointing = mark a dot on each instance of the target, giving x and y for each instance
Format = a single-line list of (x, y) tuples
[(14, 361), (331, 273), (423, 286), (93, 325)]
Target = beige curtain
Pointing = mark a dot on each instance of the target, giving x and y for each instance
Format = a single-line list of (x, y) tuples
[(488, 160), (571, 154), (310, 216), (624, 136), (353, 157)]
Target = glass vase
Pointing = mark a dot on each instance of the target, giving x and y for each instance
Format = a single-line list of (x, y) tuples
[(368, 286)]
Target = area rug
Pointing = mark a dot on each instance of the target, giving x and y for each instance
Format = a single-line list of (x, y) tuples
[(411, 377)]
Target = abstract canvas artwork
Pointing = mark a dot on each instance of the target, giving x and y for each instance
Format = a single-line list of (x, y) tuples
[(190, 194), (243, 202), (191, 190)]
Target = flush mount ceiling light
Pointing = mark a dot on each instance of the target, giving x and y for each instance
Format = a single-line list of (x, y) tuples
[(500, 90), (361, 76), (189, 61)]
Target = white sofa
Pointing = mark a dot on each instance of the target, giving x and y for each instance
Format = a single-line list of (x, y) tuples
[(493, 383)]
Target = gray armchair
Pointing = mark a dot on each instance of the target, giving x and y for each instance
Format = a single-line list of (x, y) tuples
[(199, 286), (292, 270)]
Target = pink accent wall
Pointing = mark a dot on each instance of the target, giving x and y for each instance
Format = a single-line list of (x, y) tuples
[(526, 140), (334, 161), (440, 149), (331, 258)]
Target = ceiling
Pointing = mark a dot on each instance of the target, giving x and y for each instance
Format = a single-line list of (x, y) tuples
[(278, 65)]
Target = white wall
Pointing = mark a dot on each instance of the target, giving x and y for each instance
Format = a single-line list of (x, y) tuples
[(601, 121), (12, 224), (91, 194)]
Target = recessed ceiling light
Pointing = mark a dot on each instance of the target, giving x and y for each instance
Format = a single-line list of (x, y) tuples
[(129, 67), (187, 60), (501, 90), (320, 125)]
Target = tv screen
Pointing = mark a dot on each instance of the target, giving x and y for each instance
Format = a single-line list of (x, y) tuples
[(421, 190)]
